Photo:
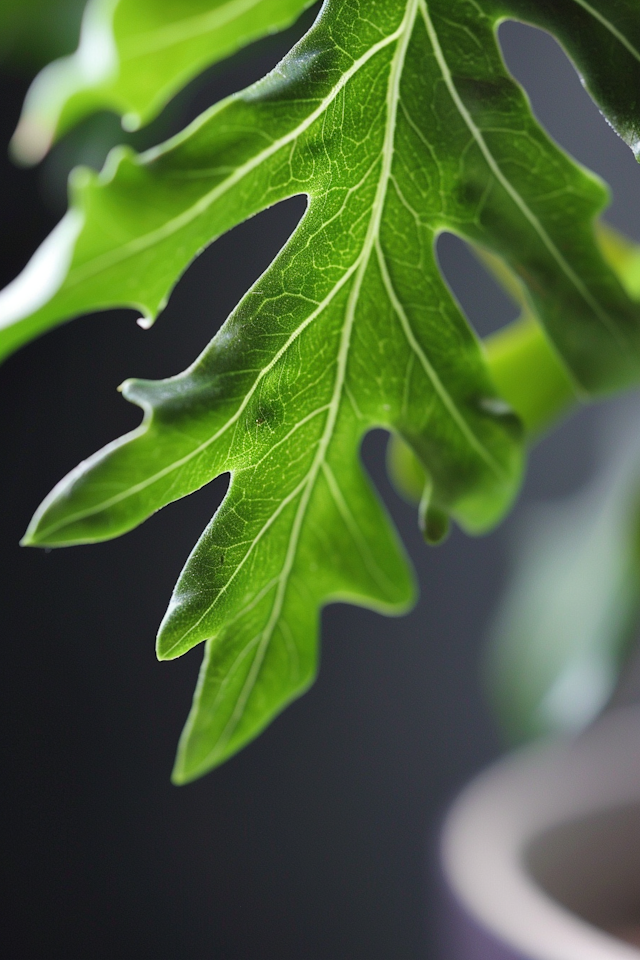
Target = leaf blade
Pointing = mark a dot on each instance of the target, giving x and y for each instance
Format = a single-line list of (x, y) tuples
[(381, 125)]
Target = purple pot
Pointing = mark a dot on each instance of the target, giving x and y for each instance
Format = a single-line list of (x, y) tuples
[(541, 853)]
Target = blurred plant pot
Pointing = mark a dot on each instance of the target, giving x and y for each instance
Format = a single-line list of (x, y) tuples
[(540, 854)]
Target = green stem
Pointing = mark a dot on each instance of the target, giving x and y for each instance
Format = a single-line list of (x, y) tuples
[(529, 375), (525, 368)]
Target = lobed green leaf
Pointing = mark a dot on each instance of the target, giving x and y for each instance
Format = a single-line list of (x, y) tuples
[(396, 125)]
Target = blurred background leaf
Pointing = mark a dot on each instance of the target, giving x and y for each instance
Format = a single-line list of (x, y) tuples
[(33, 32), (566, 622)]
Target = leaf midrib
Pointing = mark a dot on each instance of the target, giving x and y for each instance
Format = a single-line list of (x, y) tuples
[(393, 97)]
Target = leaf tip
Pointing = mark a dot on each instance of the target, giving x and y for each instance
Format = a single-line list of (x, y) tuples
[(33, 535), (131, 121), (180, 777), (79, 179), (432, 520), (28, 540), (435, 526), (167, 648), (126, 388), (190, 766), (30, 143), (186, 767), (37, 535)]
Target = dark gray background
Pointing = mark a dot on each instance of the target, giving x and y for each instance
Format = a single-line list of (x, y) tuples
[(316, 842)]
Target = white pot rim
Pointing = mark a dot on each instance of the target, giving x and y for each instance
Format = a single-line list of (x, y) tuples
[(499, 814)]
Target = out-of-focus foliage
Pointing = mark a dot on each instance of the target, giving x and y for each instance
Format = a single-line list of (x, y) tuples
[(567, 617), (33, 32), (134, 55), (571, 606)]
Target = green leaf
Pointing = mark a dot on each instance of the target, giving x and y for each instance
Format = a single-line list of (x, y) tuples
[(396, 125), (134, 55)]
